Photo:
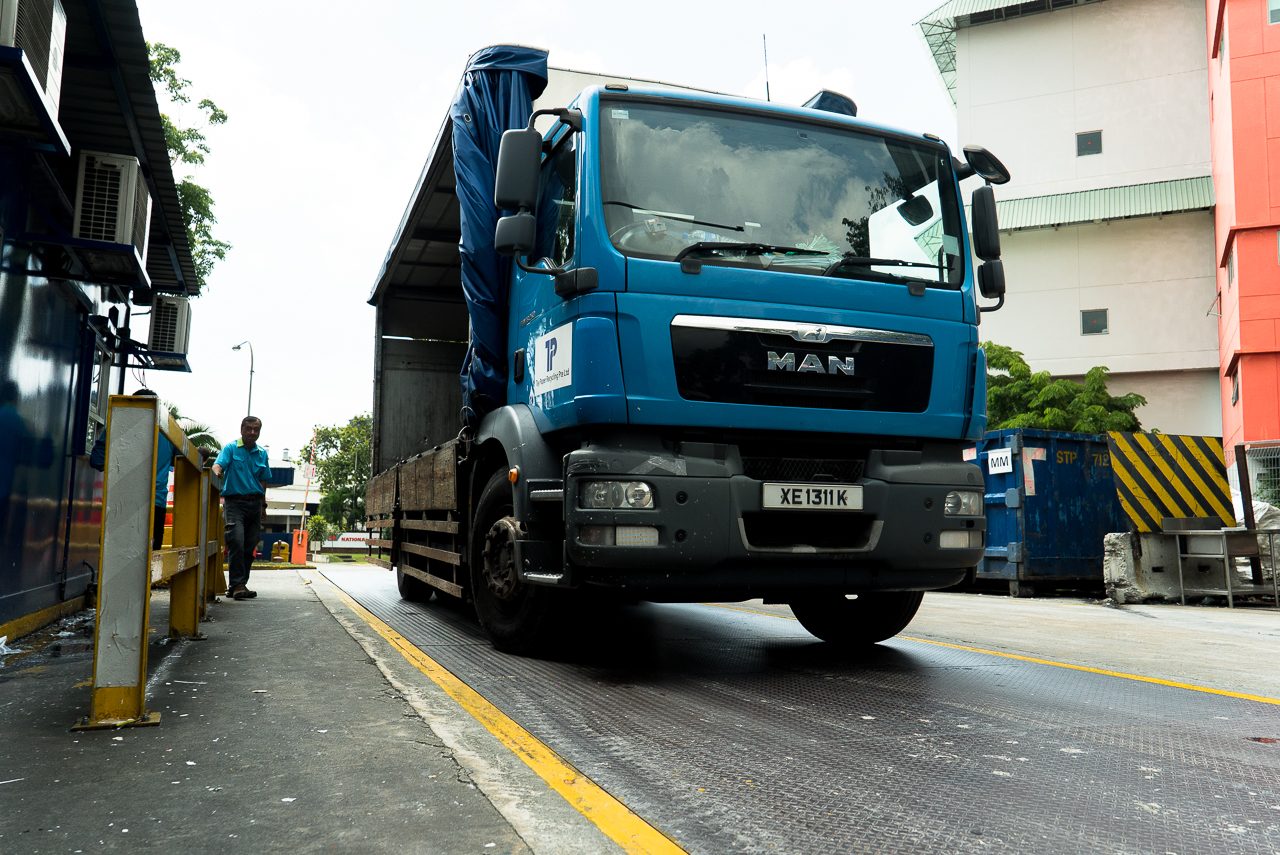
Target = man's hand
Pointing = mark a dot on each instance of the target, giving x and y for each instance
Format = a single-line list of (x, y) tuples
[(217, 470)]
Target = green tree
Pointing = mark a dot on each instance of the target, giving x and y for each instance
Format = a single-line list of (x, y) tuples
[(189, 146), (318, 531), (342, 457), (1016, 398)]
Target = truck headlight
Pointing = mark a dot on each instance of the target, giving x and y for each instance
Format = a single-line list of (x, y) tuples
[(963, 504), (615, 495)]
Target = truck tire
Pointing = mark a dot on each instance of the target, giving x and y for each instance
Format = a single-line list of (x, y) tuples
[(868, 619), (517, 617), (412, 589)]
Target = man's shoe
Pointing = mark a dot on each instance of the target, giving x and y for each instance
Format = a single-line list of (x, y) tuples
[(239, 592), (250, 594)]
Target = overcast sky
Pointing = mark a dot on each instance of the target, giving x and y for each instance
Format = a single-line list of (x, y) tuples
[(333, 107)]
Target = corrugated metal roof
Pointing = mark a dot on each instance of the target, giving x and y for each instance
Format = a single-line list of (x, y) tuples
[(1108, 203), (947, 12), (939, 26)]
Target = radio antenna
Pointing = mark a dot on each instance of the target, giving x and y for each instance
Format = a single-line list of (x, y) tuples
[(764, 38)]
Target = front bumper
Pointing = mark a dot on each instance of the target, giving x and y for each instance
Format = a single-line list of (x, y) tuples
[(713, 533)]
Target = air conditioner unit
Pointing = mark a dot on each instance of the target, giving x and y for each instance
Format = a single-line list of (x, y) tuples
[(112, 201), (170, 324), (39, 27)]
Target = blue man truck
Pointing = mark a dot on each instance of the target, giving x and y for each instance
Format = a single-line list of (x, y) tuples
[(711, 348)]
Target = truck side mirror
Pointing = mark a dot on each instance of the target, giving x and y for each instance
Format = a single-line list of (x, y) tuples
[(515, 186), (515, 234), (986, 164), (991, 284), (991, 279), (986, 228)]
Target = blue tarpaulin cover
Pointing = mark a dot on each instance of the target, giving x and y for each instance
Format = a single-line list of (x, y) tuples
[(496, 95)]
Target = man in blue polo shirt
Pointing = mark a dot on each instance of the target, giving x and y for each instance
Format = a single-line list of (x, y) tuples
[(242, 465)]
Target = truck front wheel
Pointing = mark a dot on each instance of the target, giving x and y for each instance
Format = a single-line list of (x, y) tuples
[(856, 620), (517, 617)]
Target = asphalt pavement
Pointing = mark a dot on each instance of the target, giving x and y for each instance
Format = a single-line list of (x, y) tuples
[(328, 715), (278, 734)]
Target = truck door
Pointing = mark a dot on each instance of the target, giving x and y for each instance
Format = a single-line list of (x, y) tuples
[(568, 348)]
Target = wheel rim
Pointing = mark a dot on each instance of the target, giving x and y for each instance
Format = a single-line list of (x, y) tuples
[(500, 576)]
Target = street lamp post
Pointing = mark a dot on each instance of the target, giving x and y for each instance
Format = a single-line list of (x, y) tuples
[(249, 412)]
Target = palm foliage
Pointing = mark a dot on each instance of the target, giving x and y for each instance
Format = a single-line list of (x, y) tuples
[(199, 434)]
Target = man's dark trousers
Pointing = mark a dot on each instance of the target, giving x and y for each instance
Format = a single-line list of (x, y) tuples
[(243, 515)]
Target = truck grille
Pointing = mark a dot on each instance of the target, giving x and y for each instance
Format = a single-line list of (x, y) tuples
[(733, 366), (803, 528), (802, 469)]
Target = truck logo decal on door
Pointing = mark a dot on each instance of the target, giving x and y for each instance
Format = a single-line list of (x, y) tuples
[(553, 362), (787, 362)]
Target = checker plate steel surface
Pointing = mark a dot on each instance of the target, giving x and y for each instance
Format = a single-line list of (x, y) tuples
[(739, 732)]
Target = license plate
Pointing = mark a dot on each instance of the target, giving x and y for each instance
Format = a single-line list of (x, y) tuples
[(825, 497)]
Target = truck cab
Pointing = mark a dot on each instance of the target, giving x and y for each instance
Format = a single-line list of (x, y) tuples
[(742, 361)]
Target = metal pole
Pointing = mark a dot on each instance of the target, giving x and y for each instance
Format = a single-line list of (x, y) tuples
[(122, 346), (249, 409), (1246, 499)]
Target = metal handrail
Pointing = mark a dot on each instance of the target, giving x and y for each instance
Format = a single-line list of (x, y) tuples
[(1228, 561), (128, 566)]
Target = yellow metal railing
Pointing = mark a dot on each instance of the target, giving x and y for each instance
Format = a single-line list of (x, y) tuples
[(128, 566)]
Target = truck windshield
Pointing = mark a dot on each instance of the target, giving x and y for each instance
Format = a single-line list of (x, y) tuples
[(854, 204)]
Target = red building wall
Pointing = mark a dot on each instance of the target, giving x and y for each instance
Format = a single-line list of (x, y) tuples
[(1244, 89)]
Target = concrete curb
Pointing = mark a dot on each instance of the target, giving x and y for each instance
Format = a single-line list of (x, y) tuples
[(548, 824)]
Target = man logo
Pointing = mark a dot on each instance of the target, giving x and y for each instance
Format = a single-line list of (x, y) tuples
[(811, 363)]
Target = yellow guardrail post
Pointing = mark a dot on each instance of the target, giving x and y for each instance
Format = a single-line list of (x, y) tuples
[(128, 566), (183, 563), (215, 579)]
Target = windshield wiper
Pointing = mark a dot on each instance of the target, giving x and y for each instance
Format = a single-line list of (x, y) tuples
[(862, 261), (682, 219), (914, 286), (747, 248)]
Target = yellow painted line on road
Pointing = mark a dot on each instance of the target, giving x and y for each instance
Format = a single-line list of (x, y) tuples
[(611, 816), (1141, 679)]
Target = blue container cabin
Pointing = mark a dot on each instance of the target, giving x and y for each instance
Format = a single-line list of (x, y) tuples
[(1050, 500)]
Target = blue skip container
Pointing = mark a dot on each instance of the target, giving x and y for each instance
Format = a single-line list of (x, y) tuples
[(1050, 500)]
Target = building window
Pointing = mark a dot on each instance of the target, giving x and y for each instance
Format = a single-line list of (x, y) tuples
[(1235, 386), (1231, 267), (1273, 11), (1222, 45), (1089, 143), (1093, 322)]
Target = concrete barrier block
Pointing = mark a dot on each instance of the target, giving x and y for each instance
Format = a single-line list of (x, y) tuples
[(1140, 567)]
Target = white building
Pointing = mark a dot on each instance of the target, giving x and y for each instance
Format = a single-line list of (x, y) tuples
[(1100, 109)]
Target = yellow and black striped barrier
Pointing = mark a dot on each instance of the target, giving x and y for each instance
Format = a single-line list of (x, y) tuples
[(1159, 476)]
